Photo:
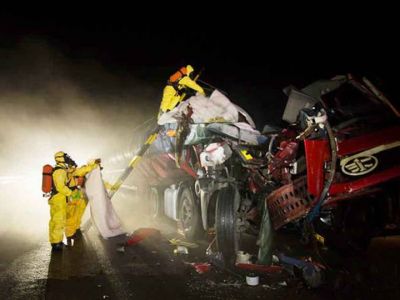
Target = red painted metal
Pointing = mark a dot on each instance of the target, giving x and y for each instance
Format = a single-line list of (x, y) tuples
[(282, 159), (293, 200), (185, 166), (253, 186), (317, 152), (289, 202), (356, 185), (368, 141), (342, 197)]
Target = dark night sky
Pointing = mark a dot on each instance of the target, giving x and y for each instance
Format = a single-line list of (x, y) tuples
[(251, 60)]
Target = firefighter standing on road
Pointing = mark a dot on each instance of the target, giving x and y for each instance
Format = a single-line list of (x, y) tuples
[(176, 88), (77, 205), (61, 194)]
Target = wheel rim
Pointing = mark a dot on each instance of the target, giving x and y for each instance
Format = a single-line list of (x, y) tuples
[(186, 213), (154, 202)]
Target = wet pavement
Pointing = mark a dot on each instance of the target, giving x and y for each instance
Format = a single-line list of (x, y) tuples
[(93, 269)]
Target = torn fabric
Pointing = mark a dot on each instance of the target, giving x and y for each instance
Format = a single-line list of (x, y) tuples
[(216, 108), (102, 212)]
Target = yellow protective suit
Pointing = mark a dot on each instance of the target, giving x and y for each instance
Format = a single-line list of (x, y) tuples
[(77, 205), (173, 96), (58, 204)]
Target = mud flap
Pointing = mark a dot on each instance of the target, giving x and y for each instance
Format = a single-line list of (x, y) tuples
[(265, 239)]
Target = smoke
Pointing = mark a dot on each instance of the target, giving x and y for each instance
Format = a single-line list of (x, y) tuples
[(51, 102)]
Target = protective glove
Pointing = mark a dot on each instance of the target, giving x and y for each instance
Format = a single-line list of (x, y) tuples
[(96, 161)]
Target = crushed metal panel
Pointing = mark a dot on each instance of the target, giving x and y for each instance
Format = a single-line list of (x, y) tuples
[(322, 87), (289, 202), (297, 101), (308, 96)]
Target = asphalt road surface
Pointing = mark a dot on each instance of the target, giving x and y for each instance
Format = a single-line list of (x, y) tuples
[(92, 268)]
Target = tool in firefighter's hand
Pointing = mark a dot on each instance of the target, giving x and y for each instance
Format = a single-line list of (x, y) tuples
[(198, 74), (211, 87)]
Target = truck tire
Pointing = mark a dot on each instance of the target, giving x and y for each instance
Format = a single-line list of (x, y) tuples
[(156, 203), (189, 215), (227, 234)]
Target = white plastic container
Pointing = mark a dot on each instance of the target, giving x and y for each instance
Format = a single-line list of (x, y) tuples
[(252, 280), (171, 202), (181, 250), (242, 257)]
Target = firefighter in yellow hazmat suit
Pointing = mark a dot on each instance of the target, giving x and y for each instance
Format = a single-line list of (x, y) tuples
[(77, 205), (61, 194), (174, 91)]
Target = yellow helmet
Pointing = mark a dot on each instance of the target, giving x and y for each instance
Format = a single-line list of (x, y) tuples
[(59, 157), (62, 157), (189, 69)]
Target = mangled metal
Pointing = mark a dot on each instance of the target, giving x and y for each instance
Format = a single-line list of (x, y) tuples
[(215, 174)]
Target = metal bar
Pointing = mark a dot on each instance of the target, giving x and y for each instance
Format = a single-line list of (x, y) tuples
[(135, 160)]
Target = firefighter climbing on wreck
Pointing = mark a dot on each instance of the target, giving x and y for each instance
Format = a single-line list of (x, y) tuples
[(179, 84), (177, 87)]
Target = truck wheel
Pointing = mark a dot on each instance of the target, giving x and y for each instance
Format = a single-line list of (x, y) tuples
[(189, 215), (156, 203), (226, 223)]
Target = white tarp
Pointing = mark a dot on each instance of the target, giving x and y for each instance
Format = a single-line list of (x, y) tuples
[(240, 131), (103, 215), (216, 108)]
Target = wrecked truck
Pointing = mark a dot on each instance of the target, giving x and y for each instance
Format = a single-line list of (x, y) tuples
[(333, 172), (204, 171)]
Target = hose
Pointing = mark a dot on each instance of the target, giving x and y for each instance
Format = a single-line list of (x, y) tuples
[(332, 143)]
